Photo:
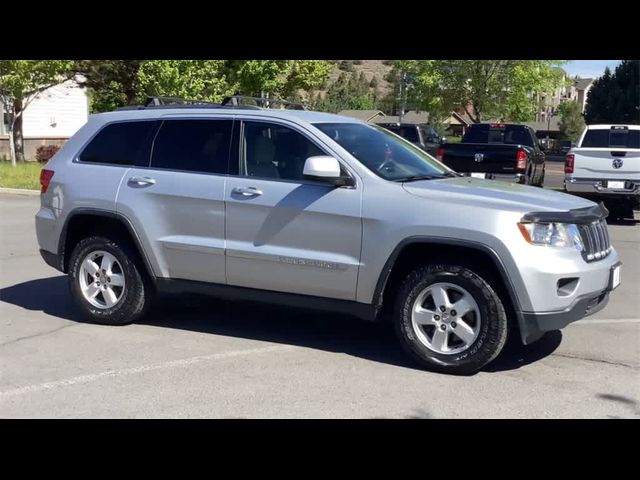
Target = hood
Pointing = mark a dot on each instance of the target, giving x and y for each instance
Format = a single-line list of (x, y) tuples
[(495, 194)]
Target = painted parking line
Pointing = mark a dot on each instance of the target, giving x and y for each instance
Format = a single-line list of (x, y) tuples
[(607, 320), (141, 369)]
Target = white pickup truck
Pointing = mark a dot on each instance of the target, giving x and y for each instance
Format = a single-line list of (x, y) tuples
[(605, 166)]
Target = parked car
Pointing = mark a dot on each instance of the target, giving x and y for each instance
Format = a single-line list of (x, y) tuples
[(497, 151), (421, 135), (318, 211), (606, 167), (565, 146)]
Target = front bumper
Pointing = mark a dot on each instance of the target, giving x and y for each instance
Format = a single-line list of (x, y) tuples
[(52, 259), (536, 324)]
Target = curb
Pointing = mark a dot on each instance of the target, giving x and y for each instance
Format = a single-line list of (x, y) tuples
[(19, 191)]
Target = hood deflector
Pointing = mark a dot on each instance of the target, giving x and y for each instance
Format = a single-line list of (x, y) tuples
[(578, 215)]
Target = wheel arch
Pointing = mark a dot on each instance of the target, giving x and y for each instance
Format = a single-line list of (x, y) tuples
[(426, 249), (80, 223)]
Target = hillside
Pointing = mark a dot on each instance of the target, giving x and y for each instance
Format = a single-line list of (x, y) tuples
[(371, 68)]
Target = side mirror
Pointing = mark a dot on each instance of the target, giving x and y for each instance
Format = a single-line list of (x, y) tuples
[(326, 169)]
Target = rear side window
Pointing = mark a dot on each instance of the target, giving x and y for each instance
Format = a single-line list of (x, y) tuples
[(193, 145), (611, 138), (124, 143), (408, 133)]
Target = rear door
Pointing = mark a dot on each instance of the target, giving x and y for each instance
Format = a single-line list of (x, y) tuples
[(176, 202), (609, 153)]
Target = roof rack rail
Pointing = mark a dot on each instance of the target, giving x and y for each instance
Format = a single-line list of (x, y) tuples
[(171, 102), (158, 101), (260, 102), (235, 101)]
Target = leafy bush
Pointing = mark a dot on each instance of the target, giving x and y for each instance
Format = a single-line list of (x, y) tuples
[(45, 152)]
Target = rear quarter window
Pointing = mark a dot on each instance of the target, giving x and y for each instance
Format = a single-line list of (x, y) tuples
[(122, 143)]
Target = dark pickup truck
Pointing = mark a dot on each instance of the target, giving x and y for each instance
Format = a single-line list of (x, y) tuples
[(499, 151), (421, 135)]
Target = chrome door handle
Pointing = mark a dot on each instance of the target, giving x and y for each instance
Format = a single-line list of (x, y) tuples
[(142, 181), (247, 191)]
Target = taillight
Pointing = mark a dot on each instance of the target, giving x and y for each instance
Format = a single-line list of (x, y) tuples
[(569, 162), (521, 160), (45, 179), (440, 153)]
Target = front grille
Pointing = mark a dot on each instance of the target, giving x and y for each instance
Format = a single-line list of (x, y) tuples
[(595, 238)]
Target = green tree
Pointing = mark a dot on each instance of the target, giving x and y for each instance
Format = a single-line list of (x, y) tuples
[(279, 78), (615, 98), (193, 79), (111, 83), (483, 88), (305, 75), (571, 120), (347, 92), (20, 83)]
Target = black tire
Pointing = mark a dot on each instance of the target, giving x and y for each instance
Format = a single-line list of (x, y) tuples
[(541, 180), (620, 211), (493, 320), (136, 297)]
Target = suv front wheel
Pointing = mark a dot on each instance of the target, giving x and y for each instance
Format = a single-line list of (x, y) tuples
[(106, 281), (449, 319)]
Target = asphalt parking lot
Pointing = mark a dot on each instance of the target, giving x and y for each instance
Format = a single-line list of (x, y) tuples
[(210, 358)]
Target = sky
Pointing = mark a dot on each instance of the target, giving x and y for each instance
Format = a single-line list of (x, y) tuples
[(589, 68)]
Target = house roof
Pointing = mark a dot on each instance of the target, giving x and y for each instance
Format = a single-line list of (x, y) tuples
[(364, 115), (462, 118), (411, 116), (583, 83), (552, 126)]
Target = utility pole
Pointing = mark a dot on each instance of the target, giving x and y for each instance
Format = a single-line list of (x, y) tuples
[(403, 77)]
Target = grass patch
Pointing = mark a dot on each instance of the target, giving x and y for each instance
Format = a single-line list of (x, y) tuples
[(23, 175)]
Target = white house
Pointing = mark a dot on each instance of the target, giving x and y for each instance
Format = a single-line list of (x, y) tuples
[(50, 118)]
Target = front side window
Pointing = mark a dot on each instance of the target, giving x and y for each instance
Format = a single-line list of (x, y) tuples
[(124, 143), (275, 151), (429, 134), (201, 146), (382, 152)]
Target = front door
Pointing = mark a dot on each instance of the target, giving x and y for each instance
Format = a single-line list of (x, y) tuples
[(285, 233)]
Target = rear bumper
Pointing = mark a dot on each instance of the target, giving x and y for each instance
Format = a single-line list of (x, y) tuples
[(504, 177), (598, 186)]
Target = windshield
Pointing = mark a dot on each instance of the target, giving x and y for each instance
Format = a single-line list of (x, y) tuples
[(384, 153)]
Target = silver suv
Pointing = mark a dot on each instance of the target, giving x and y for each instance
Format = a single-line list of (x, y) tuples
[(317, 210)]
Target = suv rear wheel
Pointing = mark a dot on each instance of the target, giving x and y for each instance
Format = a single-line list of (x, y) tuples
[(449, 319), (107, 282)]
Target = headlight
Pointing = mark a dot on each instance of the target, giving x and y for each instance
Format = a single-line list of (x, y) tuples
[(552, 234)]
